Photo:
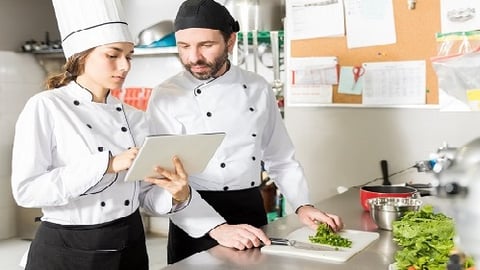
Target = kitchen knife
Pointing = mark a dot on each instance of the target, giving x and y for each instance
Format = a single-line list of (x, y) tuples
[(301, 245)]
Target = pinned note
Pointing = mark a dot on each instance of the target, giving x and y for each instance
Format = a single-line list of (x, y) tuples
[(347, 84)]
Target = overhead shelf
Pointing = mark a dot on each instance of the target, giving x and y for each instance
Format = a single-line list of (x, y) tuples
[(52, 60), (138, 51), (155, 51)]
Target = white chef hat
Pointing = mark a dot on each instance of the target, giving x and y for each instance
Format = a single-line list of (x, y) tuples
[(86, 24)]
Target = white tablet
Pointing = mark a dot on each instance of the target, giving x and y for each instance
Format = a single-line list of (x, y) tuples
[(194, 150)]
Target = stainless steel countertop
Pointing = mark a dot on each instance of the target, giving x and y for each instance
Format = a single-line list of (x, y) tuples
[(378, 255)]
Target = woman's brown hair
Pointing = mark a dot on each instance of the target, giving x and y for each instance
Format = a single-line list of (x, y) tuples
[(74, 67)]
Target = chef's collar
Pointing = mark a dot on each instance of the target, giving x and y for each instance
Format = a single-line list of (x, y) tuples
[(83, 94), (200, 84)]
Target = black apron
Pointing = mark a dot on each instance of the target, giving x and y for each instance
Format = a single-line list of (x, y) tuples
[(237, 207), (115, 245)]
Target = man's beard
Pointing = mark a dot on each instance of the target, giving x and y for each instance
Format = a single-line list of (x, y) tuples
[(213, 67)]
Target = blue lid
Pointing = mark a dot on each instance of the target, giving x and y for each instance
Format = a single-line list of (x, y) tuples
[(166, 41)]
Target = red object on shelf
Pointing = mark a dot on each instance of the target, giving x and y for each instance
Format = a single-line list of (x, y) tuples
[(134, 96)]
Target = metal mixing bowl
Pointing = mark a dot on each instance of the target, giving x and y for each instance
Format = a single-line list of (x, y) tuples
[(385, 210), (154, 33)]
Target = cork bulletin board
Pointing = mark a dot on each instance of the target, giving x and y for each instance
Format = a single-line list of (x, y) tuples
[(416, 29)]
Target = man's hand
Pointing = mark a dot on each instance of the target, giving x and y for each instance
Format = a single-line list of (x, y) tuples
[(241, 236), (311, 216)]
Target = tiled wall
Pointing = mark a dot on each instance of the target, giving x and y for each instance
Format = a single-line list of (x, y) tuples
[(20, 77)]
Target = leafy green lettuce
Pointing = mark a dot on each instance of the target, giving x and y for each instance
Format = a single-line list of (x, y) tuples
[(425, 239)]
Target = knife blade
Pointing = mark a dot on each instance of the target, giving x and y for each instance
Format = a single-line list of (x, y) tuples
[(301, 245)]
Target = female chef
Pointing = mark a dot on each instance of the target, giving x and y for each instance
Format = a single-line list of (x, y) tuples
[(73, 145)]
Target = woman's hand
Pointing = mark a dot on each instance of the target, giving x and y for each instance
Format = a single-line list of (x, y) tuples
[(174, 182), (122, 161)]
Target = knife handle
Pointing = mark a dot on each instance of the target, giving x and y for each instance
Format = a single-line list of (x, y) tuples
[(384, 167), (279, 241)]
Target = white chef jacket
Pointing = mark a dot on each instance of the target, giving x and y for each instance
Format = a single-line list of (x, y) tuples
[(241, 104), (62, 145)]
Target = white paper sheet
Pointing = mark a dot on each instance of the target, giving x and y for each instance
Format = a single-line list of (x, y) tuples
[(312, 95), (315, 18), (395, 83), (459, 15), (369, 23), (310, 80), (313, 70)]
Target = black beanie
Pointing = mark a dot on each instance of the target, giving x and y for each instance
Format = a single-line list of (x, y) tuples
[(205, 14)]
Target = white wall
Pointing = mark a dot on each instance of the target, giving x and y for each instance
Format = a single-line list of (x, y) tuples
[(344, 146)]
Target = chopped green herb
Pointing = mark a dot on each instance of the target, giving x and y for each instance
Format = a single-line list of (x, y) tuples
[(325, 235)]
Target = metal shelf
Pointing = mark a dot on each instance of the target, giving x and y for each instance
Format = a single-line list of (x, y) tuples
[(53, 59), (155, 51), (54, 53)]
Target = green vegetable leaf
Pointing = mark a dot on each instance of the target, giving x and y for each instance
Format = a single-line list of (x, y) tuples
[(325, 235), (425, 239)]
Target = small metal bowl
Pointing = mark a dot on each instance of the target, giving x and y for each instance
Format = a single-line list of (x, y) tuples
[(385, 210), (154, 33)]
